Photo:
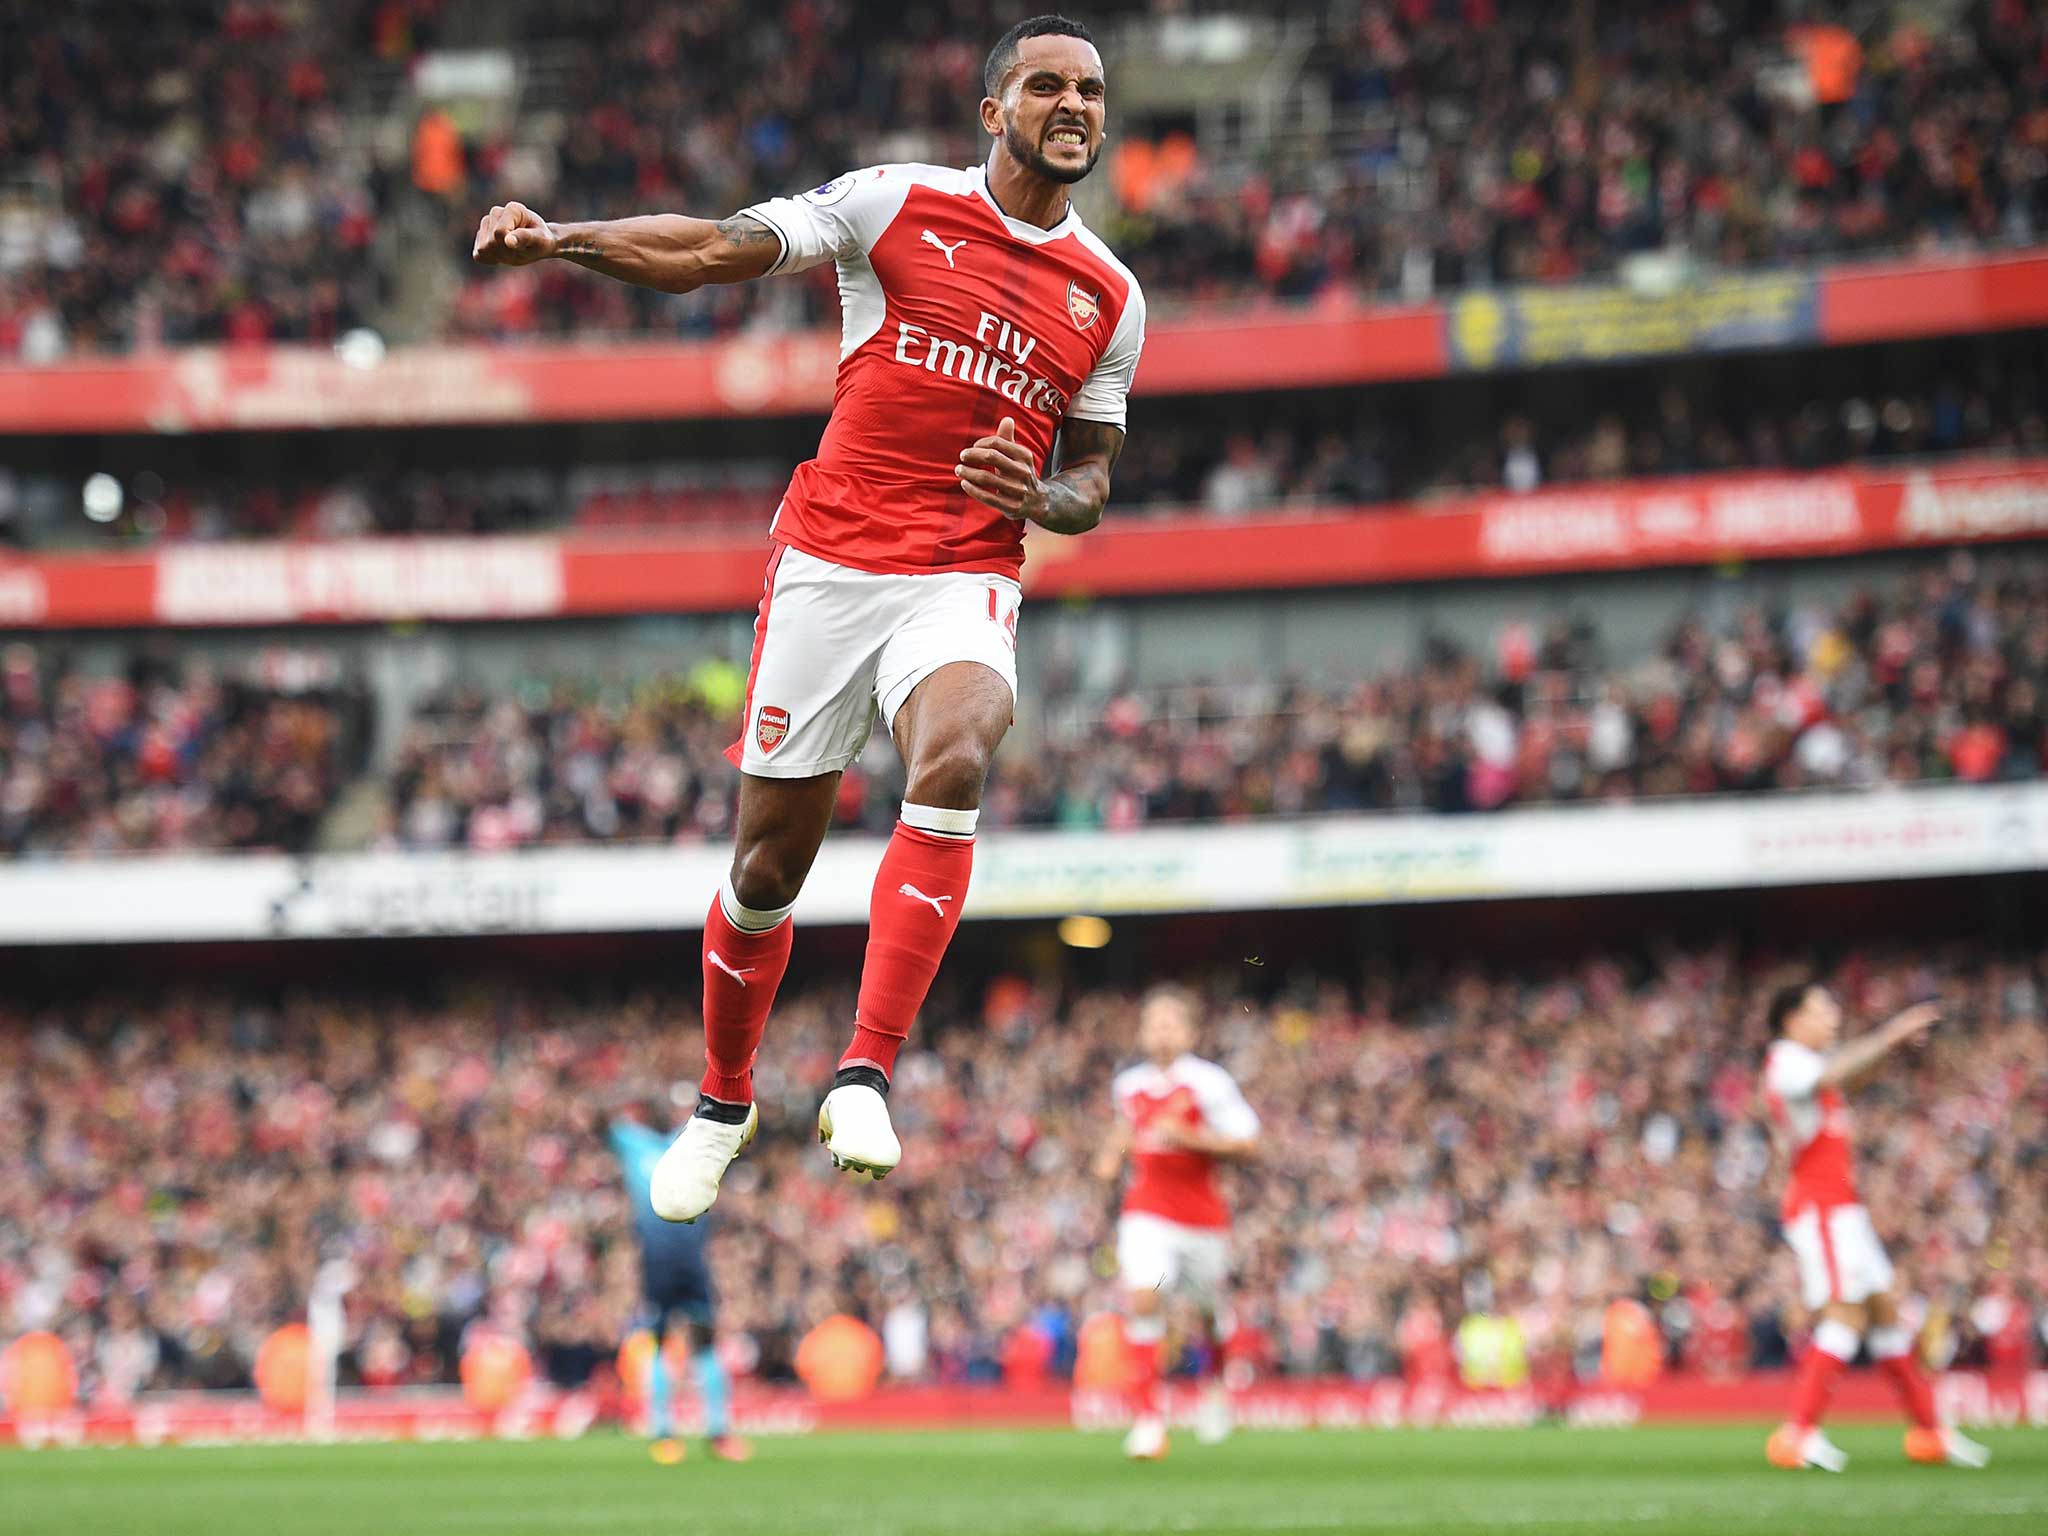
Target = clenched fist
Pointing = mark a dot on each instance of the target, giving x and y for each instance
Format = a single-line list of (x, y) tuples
[(998, 471), (512, 236)]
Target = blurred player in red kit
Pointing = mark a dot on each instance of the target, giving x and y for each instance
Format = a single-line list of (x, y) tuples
[(1178, 1118), (1844, 1274), (988, 343)]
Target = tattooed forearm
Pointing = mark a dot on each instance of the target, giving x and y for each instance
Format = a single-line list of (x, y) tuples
[(669, 251), (1075, 497)]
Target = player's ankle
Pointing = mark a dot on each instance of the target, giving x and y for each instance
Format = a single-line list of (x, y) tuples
[(862, 1076), (723, 1111)]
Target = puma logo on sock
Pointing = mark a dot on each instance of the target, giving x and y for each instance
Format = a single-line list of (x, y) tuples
[(936, 903), (739, 975)]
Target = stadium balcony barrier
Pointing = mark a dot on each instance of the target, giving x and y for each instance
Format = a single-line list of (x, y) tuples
[(1221, 349), (1720, 843), (1691, 520), (442, 1414)]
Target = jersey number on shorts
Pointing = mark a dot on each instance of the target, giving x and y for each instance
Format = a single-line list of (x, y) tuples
[(1008, 621)]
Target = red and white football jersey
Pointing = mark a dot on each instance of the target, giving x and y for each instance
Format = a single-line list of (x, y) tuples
[(954, 316), (1179, 1185), (1812, 1124)]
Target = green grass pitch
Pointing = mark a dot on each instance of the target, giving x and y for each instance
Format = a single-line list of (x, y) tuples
[(1643, 1482)]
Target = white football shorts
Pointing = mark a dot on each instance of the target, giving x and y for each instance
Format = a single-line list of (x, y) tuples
[(833, 645), (1840, 1257), (1154, 1254)]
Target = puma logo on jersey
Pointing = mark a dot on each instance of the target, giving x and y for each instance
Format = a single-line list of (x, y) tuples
[(944, 249), (739, 975), (936, 903)]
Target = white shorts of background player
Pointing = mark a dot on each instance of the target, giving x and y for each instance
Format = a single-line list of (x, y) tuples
[(1154, 1254), (836, 645), (1840, 1258)]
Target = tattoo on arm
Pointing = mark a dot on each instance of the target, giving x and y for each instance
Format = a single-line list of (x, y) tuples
[(672, 252), (1075, 497), (743, 230)]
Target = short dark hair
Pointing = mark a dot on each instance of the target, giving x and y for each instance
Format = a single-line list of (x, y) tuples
[(1004, 54), (1787, 1001)]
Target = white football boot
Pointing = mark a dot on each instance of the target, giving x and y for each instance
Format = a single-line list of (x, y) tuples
[(853, 1122), (1212, 1415), (1789, 1447), (1961, 1451), (1147, 1439), (686, 1179)]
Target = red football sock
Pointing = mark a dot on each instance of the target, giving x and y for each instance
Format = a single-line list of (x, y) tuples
[(1893, 1350), (911, 917), (741, 972), (1817, 1373), (1147, 1392), (1916, 1394)]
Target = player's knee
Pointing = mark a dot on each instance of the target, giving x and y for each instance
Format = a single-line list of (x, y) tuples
[(950, 772), (766, 875), (1146, 1302)]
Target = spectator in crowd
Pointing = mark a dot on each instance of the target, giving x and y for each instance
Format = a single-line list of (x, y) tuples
[(168, 756), (193, 172)]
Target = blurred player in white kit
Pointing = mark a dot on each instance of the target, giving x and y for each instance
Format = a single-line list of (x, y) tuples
[(1844, 1274), (1179, 1117)]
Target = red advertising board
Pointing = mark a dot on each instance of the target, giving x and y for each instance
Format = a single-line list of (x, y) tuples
[(253, 389), (1690, 521), (441, 1414)]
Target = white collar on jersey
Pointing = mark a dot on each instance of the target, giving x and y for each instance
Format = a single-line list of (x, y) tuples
[(1027, 232)]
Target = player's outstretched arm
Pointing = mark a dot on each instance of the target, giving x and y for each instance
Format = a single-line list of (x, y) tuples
[(1851, 1061), (999, 472), (668, 251)]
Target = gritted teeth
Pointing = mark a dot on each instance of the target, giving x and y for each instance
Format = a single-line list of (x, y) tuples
[(1067, 136)]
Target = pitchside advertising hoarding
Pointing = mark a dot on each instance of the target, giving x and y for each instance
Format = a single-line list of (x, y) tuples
[(1714, 844), (226, 1418)]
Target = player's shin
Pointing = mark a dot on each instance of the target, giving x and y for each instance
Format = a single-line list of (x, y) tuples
[(745, 953), (914, 909), (1145, 1333), (714, 1390), (1892, 1349), (660, 1399), (1834, 1346)]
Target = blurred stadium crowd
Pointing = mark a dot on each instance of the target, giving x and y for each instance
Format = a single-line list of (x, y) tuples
[(1944, 676), (1438, 1144), (234, 181)]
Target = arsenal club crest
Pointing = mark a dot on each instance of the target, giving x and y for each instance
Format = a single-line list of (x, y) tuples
[(1083, 307), (770, 726)]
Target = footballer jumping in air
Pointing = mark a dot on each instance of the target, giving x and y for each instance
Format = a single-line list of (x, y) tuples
[(987, 335), (1844, 1275), (1178, 1118)]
